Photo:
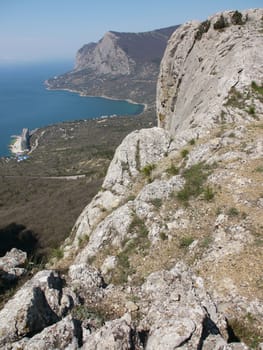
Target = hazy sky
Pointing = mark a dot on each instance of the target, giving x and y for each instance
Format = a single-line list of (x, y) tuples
[(33, 30)]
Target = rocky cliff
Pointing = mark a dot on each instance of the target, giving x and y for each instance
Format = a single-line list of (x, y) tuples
[(120, 65), (168, 254)]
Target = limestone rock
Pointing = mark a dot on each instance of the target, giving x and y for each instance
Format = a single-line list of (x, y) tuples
[(180, 310), (200, 67), (86, 280), (12, 264), (138, 149), (35, 306), (65, 334), (114, 335)]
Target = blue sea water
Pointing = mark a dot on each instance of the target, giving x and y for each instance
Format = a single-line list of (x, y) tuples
[(26, 103)]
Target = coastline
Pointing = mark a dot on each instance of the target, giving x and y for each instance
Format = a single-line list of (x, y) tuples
[(81, 94), (15, 147)]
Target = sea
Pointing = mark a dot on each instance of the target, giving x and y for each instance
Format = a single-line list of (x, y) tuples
[(26, 103)]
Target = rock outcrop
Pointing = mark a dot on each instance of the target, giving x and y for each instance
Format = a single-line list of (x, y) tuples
[(203, 69), (12, 265), (168, 254)]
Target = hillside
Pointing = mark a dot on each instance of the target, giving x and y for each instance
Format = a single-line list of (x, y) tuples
[(168, 253), (120, 65)]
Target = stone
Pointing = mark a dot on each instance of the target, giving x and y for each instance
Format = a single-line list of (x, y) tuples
[(65, 334), (138, 149), (35, 306), (114, 335), (11, 264), (86, 280)]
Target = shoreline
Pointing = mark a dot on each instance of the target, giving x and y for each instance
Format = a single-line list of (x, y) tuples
[(15, 147), (81, 94)]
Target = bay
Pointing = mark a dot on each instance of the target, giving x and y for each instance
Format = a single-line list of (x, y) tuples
[(26, 103)]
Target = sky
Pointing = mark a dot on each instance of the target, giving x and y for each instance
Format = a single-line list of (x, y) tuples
[(41, 30)]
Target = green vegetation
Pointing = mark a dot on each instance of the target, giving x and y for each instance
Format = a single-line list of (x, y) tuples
[(251, 110), (205, 243), (147, 171), (259, 169), (195, 178), (232, 212), (138, 244), (157, 202), (172, 170), (245, 330), (221, 23), (57, 253), (184, 153), (186, 241), (192, 142), (202, 29), (235, 99), (83, 312), (163, 236), (208, 193), (48, 207), (256, 88), (237, 19)]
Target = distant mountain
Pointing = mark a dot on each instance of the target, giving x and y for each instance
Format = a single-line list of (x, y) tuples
[(120, 65)]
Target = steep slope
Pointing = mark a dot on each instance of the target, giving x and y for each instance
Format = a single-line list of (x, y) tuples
[(204, 67), (120, 65), (168, 254)]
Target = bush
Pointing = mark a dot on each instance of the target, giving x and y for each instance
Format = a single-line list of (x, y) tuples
[(147, 170), (184, 153), (208, 193), (194, 180), (251, 110), (256, 88), (232, 212), (173, 170), (163, 236), (203, 28), (236, 18), (157, 202), (185, 242), (221, 23)]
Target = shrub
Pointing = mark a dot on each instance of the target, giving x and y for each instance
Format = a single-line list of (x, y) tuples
[(256, 88), (83, 312), (157, 202), (259, 169), (208, 193), (173, 170), (245, 330), (203, 28), (163, 236), (232, 212), (192, 142), (186, 241), (147, 170), (194, 180), (57, 253), (236, 18), (251, 110), (221, 23), (184, 153)]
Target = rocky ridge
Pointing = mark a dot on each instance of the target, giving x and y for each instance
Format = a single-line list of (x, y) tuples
[(168, 254)]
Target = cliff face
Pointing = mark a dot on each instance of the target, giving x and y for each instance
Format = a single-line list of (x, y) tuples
[(168, 254), (120, 65), (203, 66)]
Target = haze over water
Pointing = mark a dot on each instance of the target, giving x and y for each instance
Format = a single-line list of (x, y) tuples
[(26, 103)]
